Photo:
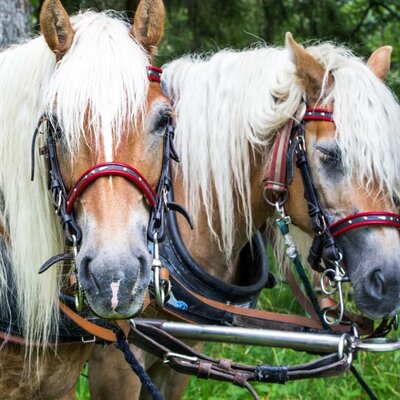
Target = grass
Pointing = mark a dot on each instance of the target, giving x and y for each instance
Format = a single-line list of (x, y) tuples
[(381, 371)]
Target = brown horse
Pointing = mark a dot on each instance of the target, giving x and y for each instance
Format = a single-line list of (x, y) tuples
[(103, 112), (229, 111)]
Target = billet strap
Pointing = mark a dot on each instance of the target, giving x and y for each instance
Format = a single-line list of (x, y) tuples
[(55, 259), (275, 182), (185, 359)]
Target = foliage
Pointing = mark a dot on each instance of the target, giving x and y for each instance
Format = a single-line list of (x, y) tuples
[(203, 26)]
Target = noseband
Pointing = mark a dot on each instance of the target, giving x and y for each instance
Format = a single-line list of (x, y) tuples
[(291, 141)]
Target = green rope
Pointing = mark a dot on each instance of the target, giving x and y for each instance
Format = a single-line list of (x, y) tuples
[(283, 227)]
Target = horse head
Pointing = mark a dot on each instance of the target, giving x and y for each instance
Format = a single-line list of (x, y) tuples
[(109, 121), (348, 174)]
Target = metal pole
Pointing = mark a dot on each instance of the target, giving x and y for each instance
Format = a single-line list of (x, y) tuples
[(321, 343), (302, 341)]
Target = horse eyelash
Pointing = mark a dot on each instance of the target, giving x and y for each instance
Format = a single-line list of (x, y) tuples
[(334, 153), (331, 156)]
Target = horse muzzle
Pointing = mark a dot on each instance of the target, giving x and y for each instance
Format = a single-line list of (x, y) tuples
[(114, 287)]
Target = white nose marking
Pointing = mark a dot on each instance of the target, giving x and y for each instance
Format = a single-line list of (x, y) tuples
[(114, 299)]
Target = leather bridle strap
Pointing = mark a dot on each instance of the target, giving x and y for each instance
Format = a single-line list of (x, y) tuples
[(318, 114), (325, 235), (363, 219), (110, 169), (95, 330), (275, 188), (154, 73)]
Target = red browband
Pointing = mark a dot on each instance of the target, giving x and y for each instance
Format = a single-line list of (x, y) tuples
[(154, 73), (318, 114), (110, 169), (362, 219)]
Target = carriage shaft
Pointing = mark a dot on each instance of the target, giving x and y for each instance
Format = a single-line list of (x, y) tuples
[(300, 341)]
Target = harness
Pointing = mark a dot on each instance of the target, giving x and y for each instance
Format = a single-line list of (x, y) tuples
[(196, 296)]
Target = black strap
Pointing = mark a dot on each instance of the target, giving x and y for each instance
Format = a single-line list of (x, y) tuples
[(324, 245), (157, 221)]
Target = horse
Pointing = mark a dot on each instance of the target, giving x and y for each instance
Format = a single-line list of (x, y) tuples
[(230, 109), (102, 117)]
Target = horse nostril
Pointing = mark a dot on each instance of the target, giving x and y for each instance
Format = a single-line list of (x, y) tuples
[(376, 284), (85, 273)]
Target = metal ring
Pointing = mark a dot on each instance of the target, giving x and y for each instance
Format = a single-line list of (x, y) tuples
[(282, 197), (341, 346)]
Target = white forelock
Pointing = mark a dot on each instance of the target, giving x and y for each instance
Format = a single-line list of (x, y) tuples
[(230, 102), (103, 77)]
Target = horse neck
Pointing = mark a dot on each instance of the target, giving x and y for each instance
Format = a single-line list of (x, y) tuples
[(201, 242)]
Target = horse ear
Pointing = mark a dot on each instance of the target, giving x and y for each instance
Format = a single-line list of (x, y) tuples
[(148, 26), (56, 27), (309, 71), (379, 61)]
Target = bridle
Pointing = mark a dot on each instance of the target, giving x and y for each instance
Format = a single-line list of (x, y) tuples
[(290, 143), (64, 200)]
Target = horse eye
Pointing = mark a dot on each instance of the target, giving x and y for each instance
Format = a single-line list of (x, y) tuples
[(331, 157), (164, 120)]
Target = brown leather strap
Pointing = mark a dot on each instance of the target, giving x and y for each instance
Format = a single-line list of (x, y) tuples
[(260, 318), (93, 329), (275, 182)]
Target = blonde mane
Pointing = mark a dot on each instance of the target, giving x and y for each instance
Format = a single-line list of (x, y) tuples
[(231, 102), (103, 77)]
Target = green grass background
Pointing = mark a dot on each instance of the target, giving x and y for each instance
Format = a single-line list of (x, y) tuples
[(381, 371)]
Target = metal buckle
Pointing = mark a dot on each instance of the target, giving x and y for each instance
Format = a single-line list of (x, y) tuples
[(86, 341), (162, 288), (301, 143)]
